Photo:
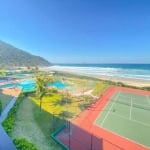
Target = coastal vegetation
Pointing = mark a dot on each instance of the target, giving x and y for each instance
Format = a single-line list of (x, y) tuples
[(99, 88), (42, 88), (33, 125), (23, 144), (9, 122)]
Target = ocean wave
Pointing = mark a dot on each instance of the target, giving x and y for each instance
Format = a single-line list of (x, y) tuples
[(101, 71), (93, 69)]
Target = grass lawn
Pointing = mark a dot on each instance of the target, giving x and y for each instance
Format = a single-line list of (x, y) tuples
[(56, 105), (34, 125), (100, 87), (37, 126), (5, 99)]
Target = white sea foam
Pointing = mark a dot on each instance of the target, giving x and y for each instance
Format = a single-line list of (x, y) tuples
[(109, 72)]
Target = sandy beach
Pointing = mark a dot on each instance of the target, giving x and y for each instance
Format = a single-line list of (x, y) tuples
[(132, 82), (130, 74)]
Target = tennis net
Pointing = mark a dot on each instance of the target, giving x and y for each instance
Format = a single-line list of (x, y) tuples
[(133, 104)]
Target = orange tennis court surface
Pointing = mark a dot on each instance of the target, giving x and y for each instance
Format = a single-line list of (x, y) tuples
[(83, 133)]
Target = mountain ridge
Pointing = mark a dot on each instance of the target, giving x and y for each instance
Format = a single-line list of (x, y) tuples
[(11, 56)]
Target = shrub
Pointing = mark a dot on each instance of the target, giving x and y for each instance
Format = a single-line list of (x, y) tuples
[(23, 144), (99, 88), (8, 123), (146, 88)]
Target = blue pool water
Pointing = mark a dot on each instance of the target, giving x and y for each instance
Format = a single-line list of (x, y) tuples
[(59, 85), (22, 75), (29, 85)]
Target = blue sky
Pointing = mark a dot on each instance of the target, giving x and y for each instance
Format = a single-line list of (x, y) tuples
[(79, 31)]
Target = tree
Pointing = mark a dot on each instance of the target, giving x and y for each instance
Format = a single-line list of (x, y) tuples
[(67, 97), (42, 88)]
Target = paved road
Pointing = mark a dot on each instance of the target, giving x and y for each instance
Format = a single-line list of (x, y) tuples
[(5, 141)]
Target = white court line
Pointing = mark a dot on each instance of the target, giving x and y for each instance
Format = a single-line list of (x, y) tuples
[(109, 111), (139, 122), (134, 103), (132, 96), (122, 136), (148, 100), (131, 109), (127, 97)]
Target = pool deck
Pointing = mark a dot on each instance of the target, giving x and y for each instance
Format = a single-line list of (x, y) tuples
[(11, 91), (12, 81)]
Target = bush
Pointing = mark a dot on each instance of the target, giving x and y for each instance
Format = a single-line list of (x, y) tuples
[(23, 144), (146, 88), (99, 88), (0, 107), (8, 123)]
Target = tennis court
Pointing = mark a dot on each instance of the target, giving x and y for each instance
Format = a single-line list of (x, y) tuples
[(127, 114)]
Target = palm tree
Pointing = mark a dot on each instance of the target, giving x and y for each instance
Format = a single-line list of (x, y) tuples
[(42, 88)]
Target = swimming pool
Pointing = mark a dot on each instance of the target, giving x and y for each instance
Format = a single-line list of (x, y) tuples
[(30, 85), (27, 85), (22, 75), (59, 85)]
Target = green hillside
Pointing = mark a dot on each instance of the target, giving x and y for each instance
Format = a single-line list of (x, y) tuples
[(11, 56)]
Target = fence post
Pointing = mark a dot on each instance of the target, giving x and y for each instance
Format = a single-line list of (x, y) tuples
[(69, 135), (53, 123), (91, 141)]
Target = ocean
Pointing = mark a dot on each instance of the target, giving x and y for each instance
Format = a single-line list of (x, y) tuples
[(127, 71)]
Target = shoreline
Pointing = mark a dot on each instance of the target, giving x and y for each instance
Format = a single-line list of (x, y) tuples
[(131, 82), (127, 81)]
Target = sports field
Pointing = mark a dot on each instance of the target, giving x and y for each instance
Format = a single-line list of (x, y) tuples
[(127, 114), (117, 120)]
